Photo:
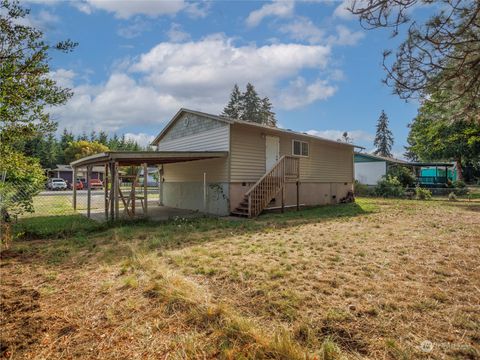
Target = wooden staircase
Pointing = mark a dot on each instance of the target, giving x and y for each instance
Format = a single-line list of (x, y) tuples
[(273, 182)]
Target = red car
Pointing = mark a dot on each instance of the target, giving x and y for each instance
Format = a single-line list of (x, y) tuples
[(78, 185), (96, 184)]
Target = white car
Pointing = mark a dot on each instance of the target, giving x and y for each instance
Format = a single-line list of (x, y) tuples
[(56, 184)]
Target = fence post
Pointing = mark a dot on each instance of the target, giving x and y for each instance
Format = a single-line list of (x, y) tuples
[(74, 182), (89, 191)]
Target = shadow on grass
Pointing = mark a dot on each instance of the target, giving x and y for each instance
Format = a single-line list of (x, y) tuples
[(65, 236)]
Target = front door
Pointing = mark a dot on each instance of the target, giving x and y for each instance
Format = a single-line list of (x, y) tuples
[(272, 151)]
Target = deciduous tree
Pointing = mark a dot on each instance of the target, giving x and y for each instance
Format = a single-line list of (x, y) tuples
[(441, 54)]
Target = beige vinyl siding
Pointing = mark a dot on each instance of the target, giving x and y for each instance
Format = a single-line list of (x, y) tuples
[(211, 140), (247, 154), (327, 162), (191, 171)]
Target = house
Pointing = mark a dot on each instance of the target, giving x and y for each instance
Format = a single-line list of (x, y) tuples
[(66, 173), (369, 169), (223, 166), (325, 167)]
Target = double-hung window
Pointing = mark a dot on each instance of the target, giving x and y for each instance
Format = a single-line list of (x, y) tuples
[(300, 148)]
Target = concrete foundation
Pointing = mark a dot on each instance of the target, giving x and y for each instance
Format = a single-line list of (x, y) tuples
[(190, 195), (311, 194)]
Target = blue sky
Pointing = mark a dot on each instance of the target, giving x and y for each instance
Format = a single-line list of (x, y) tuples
[(138, 62)]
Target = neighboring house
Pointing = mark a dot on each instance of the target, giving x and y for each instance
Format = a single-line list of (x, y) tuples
[(369, 169), (262, 162), (66, 173)]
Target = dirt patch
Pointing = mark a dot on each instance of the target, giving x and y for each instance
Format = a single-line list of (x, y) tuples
[(20, 322)]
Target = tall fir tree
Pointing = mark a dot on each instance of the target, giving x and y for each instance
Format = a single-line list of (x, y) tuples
[(267, 116), (251, 104), (383, 138), (233, 109)]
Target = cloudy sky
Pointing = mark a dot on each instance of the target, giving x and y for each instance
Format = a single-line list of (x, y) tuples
[(139, 61)]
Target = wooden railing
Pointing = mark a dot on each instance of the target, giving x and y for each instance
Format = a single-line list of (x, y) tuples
[(261, 194)]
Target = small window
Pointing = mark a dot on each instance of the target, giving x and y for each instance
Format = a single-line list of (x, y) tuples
[(300, 148)]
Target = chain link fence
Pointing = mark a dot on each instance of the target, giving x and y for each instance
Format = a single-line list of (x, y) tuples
[(22, 199)]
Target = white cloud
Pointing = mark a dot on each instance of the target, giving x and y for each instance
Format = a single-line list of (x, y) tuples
[(176, 34), (134, 29), (141, 139), (303, 29), (148, 89), (345, 36), (300, 93), (276, 8), (124, 9), (341, 11), (358, 136), (63, 77)]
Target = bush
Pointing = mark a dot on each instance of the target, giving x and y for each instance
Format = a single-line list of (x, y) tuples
[(403, 174), (389, 186), (422, 194), (460, 187), (362, 189)]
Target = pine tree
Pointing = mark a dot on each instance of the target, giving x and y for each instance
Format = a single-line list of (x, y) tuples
[(383, 138), (103, 138), (49, 152), (251, 105), (266, 114), (233, 109)]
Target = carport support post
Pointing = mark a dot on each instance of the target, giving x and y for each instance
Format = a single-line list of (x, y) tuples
[(105, 187), (89, 191), (74, 186), (117, 191), (145, 188), (112, 191)]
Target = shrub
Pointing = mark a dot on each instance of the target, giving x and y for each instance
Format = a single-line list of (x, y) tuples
[(422, 194), (452, 196), (389, 186), (362, 189), (460, 187), (403, 174)]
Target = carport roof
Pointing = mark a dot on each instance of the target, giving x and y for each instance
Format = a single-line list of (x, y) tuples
[(149, 157)]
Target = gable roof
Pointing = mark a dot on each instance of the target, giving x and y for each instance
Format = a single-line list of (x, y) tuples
[(242, 122)]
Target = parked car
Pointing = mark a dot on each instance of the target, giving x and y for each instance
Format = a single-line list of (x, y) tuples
[(56, 184), (96, 184), (78, 185)]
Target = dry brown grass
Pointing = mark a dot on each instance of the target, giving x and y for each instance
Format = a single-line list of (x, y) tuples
[(370, 286)]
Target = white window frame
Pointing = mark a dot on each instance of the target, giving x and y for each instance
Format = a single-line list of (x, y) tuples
[(301, 143)]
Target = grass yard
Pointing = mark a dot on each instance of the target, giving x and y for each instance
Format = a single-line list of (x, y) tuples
[(379, 279)]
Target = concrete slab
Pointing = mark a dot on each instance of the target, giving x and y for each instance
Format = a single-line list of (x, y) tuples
[(155, 213)]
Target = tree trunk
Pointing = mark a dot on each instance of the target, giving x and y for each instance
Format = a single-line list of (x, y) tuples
[(459, 169)]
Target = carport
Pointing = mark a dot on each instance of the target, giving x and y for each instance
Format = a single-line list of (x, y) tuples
[(113, 160)]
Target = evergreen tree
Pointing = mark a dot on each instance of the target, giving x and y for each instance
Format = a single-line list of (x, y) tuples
[(49, 152), (251, 105), (103, 138), (267, 116), (383, 138), (93, 136), (233, 109)]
